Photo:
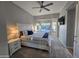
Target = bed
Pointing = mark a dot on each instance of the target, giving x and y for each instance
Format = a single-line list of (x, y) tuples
[(37, 40)]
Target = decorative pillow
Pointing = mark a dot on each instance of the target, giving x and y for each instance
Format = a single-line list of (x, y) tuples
[(29, 32), (25, 32), (45, 35)]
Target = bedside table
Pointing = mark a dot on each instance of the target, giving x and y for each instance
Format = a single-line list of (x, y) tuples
[(14, 45)]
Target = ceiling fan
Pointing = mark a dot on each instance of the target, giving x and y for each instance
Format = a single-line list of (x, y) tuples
[(42, 6)]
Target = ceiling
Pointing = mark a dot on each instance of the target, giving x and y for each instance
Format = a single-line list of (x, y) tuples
[(27, 6)]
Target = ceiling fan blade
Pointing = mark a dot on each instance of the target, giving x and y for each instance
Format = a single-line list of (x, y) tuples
[(48, 4), (47, 9), (35, 7), (42, 2)]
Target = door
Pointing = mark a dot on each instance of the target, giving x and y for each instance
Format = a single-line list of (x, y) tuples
[(70, 26), (76, 34)]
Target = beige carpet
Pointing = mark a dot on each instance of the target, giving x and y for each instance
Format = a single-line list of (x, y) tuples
[(58, 50)]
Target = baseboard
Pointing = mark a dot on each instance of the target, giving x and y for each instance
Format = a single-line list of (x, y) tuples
[(4, 56), (70, 47)]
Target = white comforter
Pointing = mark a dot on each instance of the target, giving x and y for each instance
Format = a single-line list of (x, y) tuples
[(38, 34), (37, 41)]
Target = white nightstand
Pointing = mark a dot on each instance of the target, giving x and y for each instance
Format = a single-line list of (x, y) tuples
[(14, 45)]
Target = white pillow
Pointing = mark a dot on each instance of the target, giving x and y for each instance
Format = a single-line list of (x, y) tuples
[(25, 33)]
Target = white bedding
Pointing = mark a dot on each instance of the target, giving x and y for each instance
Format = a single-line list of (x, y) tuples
[(38, 34), (37, 41)]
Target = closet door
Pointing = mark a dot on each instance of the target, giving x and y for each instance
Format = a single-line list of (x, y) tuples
[(76, 34)]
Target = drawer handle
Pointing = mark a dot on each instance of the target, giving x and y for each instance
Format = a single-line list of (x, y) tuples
[(16, 44), (16, 47)]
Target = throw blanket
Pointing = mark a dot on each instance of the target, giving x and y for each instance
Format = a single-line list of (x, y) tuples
[(45, 35), (40, 34)]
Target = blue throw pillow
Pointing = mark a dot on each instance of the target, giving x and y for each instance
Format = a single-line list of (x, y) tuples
[(45, 35), (29, 32)]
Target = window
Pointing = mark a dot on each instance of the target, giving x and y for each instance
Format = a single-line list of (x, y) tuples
[(43, 27), (54, 26), (46, 26)]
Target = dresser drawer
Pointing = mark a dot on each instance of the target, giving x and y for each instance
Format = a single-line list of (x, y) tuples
[(12, 50), (14, 46), (14, 43)]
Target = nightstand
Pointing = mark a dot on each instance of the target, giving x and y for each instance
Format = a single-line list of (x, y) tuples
[(14, 45)]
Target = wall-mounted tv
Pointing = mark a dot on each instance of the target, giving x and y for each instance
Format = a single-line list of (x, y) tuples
[(61, 20)]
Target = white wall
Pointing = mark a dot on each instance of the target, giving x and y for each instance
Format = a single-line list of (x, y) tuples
[(23, 27), (62, 28), (49, 16), (3, 35), (14, 14), (10, 14), (3, 40), (62, 34)]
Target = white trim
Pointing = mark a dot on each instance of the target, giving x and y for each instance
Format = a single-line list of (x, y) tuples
[(4, 56), (69, 47)]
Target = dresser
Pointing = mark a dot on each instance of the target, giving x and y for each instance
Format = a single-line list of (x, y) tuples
[(14, 45)]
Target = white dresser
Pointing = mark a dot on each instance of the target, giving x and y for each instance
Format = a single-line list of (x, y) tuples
[(14, 45)]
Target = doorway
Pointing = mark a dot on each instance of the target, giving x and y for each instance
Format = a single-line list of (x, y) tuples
[(70, 27)]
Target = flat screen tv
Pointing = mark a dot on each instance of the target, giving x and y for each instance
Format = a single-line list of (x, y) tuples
[(61, 20)]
